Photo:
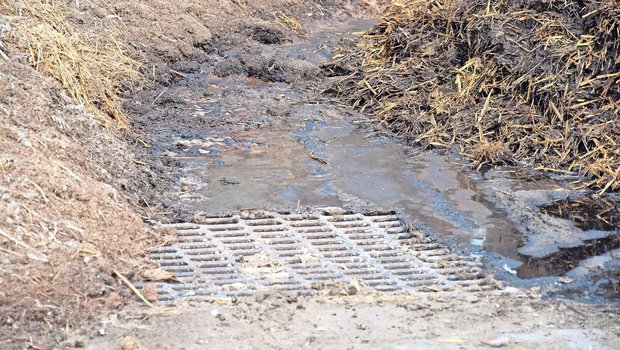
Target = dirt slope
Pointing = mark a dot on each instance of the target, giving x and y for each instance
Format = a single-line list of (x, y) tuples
[(66, 221)]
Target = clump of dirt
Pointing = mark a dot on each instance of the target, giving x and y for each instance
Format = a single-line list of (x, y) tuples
[(511, 82), (588, 213), (267, 34)]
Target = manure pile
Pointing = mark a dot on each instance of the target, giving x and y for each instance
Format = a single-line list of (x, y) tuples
[(517, 82)]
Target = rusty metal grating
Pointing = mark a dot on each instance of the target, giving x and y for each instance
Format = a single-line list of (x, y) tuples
[(238, 255)]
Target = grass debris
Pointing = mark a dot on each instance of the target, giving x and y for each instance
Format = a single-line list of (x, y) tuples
[(92, 68), (517, 82), (290, 23)]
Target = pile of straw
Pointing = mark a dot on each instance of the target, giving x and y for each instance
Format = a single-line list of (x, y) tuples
[(91, 68), (517, 82)]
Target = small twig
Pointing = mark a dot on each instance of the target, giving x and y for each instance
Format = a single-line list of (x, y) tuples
[(15, 240), (500, 191), (133, 288), (3, 55), (158, 96), (22, 244), (574, 310), (178, 73), (4, 109), (44, 196), (11, 252), (314, 157)]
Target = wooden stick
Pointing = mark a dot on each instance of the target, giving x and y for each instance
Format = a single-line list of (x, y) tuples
[(133, 288)]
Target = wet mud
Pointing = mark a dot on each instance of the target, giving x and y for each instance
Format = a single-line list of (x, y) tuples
[(589, 213), (563, 261), (255, 132)]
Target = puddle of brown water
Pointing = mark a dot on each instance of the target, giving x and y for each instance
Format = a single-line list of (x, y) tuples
[(428, 188), (279, 167), (277, 171), (272, 171), (317, 46)]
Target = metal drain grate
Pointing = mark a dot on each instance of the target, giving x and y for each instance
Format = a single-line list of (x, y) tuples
[(240, 254)]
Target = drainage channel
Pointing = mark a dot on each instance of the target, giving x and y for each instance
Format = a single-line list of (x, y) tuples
[(243, 253)]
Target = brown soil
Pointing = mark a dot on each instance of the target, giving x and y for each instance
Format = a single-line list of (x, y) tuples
[(66, 221)]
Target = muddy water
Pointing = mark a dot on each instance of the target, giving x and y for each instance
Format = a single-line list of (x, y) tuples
[(337, 164), (316, 157), (435, 193), (273, 145), (267, 170), (318, 46)]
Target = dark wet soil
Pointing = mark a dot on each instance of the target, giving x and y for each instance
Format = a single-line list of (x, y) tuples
[(566, 259), (254, 133), (588, 213)]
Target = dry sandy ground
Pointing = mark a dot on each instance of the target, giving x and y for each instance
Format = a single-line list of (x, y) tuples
[(513, 321)]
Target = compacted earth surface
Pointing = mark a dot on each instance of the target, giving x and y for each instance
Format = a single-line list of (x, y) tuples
[(232, 139)]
